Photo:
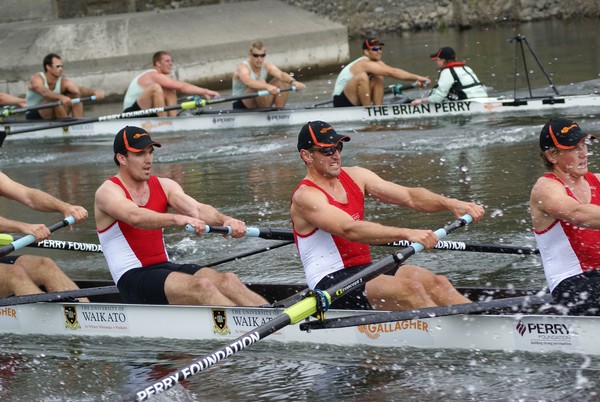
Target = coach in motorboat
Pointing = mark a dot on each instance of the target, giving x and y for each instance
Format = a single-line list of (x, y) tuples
[(155, 88), (565, 214), (131, 212), (257, 74), (360, 83), (456, 80), (327, 212), (51, 85)]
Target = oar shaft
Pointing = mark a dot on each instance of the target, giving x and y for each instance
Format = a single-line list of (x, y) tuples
[(8, 110), (29, 239), (58, 296), (455, 309), (206, 102), (287, 234)]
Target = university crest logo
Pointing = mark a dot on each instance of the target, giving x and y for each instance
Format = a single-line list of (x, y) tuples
[(71, 322), (220, 322)]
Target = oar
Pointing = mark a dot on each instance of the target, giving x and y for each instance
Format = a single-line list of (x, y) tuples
[(246, 254), (55, 244), (293, 314), (193, 104), (395, 89), (287, 234), (64, 295), (29, 239), (455, 309), (8, 110)]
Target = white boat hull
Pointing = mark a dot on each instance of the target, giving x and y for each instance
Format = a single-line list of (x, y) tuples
[(350, 116), (531, 333)]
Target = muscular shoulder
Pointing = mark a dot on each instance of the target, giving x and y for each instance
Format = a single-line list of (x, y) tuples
[(546, 186), (360, 175)]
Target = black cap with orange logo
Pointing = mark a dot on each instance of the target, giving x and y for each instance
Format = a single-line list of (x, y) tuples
[(446, 53), (371, 43), (134, 139), (562, 134), (319, 134)]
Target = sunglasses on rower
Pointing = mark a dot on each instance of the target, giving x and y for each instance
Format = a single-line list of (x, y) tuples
[(257, 55), (376, 48), (57, 65), (329, 151)]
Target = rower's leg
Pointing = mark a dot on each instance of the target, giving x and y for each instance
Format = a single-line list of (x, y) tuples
[(77, 110), (280, 100), (197, 289), (15, 281), (438, 287), (45, 273), (152, 97), (358, 90), (170, 96), (230, 285), (387, 292), (376, 88)]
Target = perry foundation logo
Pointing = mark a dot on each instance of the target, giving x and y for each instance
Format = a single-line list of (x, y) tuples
[(220, 322), (70, 312), (374, 331)]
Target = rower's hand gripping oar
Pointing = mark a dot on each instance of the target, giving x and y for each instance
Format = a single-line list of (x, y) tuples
[(27, 240), (263, 233), (292, 315), (10, 110), (395, 89)]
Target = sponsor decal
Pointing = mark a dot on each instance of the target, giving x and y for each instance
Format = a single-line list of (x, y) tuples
[(342, 291), (374, 331), (96, 318), (220, 321), (8, 312), (217, 121), (198, 366), (278, 117), (542, 333), (408, 109), (71, 322), (69, 245), (148, 125)]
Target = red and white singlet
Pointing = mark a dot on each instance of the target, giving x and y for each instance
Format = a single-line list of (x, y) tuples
[(569, 250), (323, 253), (126, 247)]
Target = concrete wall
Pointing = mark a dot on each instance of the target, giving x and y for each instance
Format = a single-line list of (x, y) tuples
[(205, 42), (27, 10)]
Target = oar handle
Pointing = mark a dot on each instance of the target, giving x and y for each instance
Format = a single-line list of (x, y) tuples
[(29, 239), (227, 230), (8, 110), (443, 232), (204, 102), (263, 233)]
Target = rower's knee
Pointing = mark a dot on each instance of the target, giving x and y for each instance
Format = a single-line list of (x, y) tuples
[(201, 285)]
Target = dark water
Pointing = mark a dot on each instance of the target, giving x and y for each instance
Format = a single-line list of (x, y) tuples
[(251, 173)]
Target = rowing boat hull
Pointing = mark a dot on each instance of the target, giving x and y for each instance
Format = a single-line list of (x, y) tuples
[(531, 333), (350, 116)]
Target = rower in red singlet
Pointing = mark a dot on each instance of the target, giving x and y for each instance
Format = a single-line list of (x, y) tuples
[(131, 211), (565, 213), (332, 237)]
